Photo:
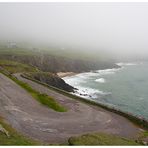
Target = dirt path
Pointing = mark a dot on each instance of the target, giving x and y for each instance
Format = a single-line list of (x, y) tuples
[(35, 120)]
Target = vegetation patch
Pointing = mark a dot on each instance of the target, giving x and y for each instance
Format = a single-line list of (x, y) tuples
[(14, 137), (100, 139), (16, 67), (17, 51), (143, 138)]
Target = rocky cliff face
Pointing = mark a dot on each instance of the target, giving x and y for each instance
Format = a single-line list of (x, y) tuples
[(51, 79), (54, 64)]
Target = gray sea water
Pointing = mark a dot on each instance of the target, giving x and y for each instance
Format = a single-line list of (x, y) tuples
[(125, 88)]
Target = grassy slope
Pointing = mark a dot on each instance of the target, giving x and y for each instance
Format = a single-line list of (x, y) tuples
[(100, 139), (58, 60), (15, 138), (68, 53), (16, 51), (16, 67)]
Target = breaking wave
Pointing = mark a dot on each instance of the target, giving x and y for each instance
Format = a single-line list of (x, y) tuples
[(100, 80), (87, 92), (128, 64), (108, 71)]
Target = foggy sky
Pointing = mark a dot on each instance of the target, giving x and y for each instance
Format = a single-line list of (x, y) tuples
[(114, 27)]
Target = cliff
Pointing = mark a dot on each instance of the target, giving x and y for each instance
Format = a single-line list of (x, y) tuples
[(48, 63), (51, 79)]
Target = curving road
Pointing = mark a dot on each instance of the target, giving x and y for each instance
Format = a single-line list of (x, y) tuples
[(31, 118)]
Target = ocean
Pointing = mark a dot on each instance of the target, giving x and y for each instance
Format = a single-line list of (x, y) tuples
[(124, 88)]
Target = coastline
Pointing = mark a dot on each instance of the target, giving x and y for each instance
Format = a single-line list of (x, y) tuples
[(66, 74), (86, 94)]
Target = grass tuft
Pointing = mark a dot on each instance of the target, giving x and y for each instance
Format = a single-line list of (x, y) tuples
[(15, 138), (100, 139)]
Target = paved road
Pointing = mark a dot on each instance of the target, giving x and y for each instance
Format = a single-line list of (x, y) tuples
[(31, 118)]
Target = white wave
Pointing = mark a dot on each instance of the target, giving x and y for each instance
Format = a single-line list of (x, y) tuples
[(82, 77), (87, 75), (89, 92), (100, 80), (108, 71), (126, 64)]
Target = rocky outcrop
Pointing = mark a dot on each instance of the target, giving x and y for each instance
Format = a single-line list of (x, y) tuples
[(51, 79)]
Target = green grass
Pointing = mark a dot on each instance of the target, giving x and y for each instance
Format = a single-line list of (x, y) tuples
[(75, 54), (145, 133), (142, 135), (15, 138), (16, 67), (100, 139), (17, 51)]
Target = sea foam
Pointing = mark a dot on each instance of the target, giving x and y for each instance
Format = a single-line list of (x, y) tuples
[(126, 64), (107, 71), (100, 80), (87, 92)]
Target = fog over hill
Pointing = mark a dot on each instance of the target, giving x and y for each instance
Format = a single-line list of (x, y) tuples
[(119, 29)]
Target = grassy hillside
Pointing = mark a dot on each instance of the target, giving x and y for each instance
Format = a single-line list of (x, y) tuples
[(57, 60), (16, 51), (16, 67), (71, 53)]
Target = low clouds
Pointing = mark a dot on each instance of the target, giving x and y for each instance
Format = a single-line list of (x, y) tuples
[(120, 28)]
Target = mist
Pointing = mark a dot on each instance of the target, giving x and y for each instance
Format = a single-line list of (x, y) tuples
[(120, 29)]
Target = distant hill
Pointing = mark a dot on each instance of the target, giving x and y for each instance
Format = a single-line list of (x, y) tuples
[(48, 62)]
